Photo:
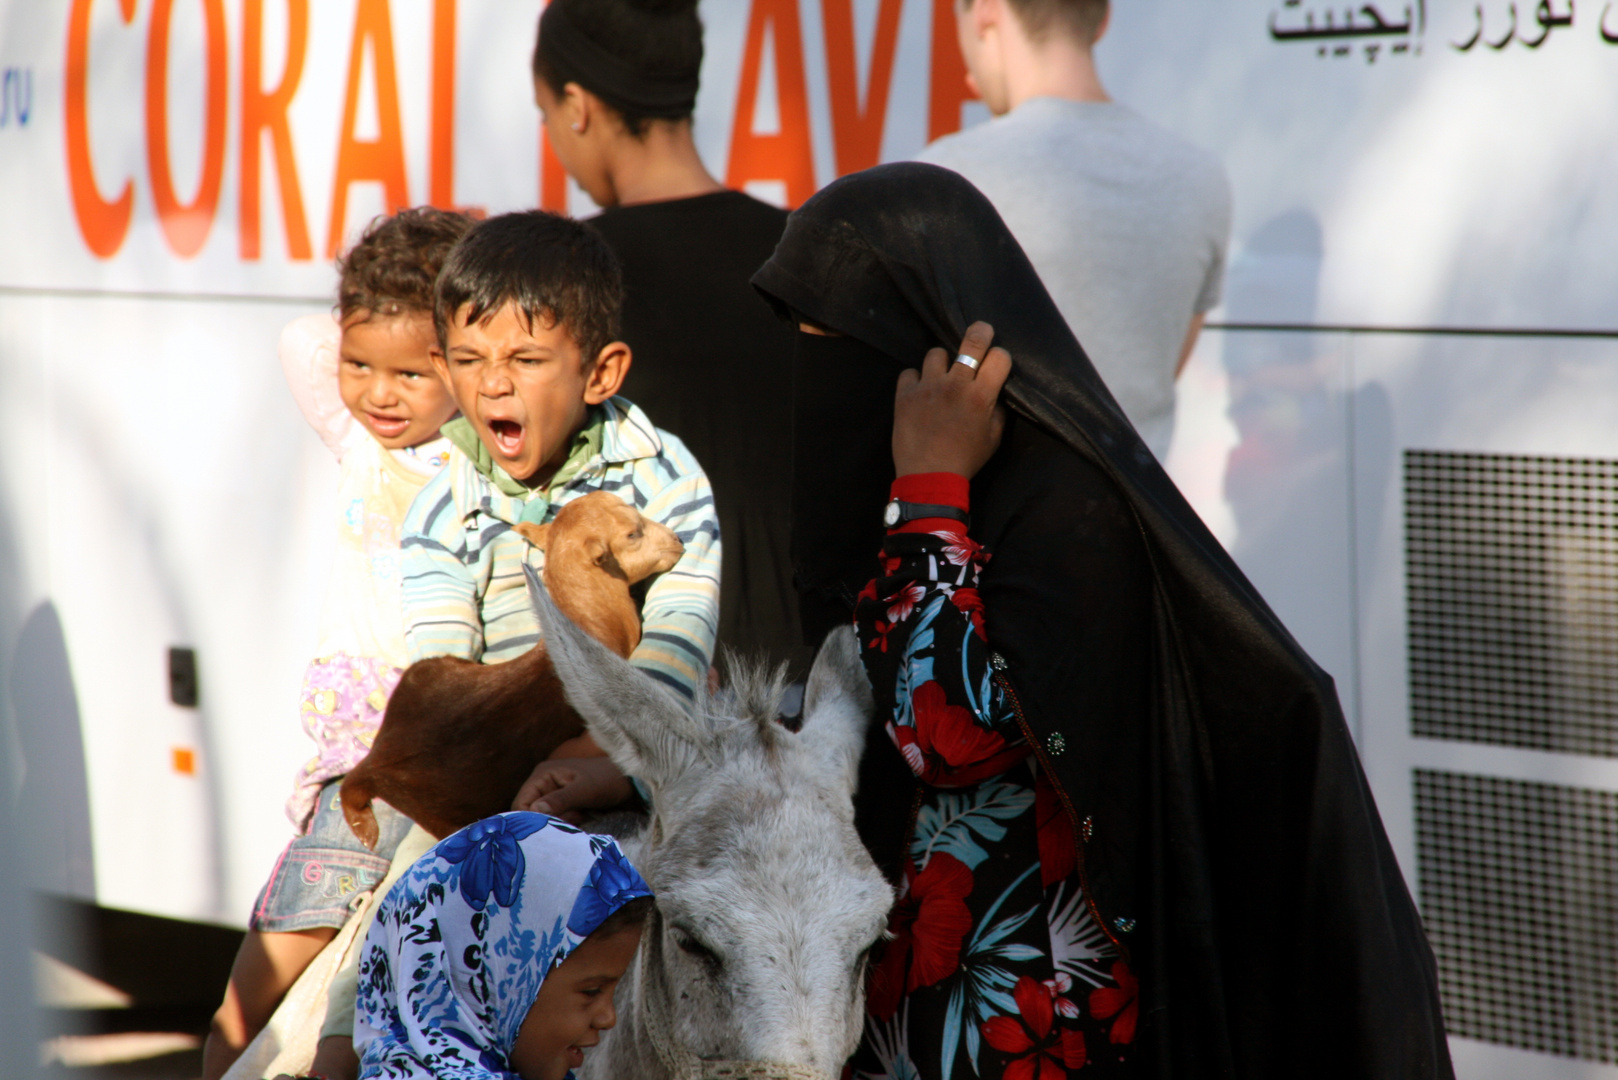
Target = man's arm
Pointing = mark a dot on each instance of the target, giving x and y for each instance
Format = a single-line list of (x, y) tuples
[(438, 592), (1190, 342)]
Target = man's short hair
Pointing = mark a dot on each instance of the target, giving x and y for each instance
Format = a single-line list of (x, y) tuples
[(551, 267), (1079, 18)]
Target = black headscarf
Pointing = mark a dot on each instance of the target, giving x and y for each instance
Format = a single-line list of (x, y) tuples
[(1229, 841)]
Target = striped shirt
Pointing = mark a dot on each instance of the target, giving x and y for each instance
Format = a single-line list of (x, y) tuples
[(464, 590)]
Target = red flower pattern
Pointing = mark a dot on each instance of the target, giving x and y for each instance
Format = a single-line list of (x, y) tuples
[(928, 925), (1041, 1050), (947, 747), (1057, 847), (959, 548), (901, 603), (951, 733), (1057, 1023), (1122, 1001), (1059, 988), (968, 600)]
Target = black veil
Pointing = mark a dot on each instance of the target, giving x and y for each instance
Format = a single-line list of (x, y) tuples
[(1231, 844)]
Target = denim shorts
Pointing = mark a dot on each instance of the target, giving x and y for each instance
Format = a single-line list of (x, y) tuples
[(321, 874)]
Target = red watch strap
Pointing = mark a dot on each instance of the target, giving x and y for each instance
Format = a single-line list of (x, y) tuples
[(938, 489)]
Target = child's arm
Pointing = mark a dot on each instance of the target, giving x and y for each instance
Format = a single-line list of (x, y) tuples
[(680, 617), (439, 592), (311, 350)]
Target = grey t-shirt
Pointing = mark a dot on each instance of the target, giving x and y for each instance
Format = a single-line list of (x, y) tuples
[(1127, 224)]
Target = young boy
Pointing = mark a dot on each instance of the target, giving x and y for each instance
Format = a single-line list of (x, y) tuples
[(365, 382), (527, 319)]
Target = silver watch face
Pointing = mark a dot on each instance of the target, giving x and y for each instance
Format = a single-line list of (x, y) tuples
[(890, 515)]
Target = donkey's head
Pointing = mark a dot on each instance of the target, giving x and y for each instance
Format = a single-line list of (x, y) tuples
[(767, 902)]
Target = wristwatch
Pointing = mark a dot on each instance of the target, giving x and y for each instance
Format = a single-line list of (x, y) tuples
[(897, 512)]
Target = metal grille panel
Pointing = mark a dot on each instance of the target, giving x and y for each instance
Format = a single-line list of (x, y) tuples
[(1519, 890), (1512, 568)]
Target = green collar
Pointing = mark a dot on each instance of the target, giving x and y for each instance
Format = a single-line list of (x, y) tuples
[(586, 447)]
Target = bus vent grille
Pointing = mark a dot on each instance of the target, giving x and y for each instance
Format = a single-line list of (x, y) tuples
[(1512, 565), (1519, 892)]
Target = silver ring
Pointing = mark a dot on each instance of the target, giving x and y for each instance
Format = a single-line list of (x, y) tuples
[(970, 361)]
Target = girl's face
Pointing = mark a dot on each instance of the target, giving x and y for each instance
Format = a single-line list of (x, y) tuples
[(386, 378), (573, 1007)]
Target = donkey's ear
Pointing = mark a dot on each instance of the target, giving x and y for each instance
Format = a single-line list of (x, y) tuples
[(837, 705), (643, 727)]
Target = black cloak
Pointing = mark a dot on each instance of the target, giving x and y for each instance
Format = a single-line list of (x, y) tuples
[(1229, 841)]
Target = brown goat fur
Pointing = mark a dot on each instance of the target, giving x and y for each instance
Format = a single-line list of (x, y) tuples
[(459, 737)]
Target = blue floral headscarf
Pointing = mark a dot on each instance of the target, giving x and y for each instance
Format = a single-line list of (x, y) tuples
[(463, 941)]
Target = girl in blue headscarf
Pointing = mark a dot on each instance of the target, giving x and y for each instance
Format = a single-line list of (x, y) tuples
[(495, 956)]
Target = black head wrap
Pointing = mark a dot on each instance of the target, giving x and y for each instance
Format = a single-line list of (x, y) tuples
[(1229, 840), (573, 56)]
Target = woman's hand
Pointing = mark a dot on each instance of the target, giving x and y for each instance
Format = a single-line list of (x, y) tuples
[(562, 787), (947, 417)]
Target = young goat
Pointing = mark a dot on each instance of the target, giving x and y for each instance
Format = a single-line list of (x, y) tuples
[(460, 737)]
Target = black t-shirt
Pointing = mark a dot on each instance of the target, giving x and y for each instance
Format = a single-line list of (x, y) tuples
[(713, 365)]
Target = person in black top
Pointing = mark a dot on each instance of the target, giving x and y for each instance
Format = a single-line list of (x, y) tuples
[(712, 367), (617, 82)]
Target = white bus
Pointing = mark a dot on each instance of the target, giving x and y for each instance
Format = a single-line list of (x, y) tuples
[(1403, 421)]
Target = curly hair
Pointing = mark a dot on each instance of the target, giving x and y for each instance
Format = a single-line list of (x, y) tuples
[(392, 268), (554, 269)]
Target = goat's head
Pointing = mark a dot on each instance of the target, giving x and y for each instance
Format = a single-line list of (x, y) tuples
[(601, 529)]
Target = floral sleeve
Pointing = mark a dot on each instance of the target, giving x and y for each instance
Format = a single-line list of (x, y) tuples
[(923, 641)]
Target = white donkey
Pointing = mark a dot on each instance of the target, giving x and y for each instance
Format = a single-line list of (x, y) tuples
[(767, 903)]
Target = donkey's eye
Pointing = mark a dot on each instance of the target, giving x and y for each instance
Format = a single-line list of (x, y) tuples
[(693, 947)]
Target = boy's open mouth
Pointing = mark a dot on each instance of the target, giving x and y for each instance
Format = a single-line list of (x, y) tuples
[(507, 437)]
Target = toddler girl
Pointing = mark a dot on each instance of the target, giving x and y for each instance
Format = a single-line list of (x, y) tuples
[(366, 385)]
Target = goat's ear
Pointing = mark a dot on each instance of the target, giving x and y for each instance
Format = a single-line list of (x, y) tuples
[(537, 535), (601, 553), (837, 705), (642, 726)]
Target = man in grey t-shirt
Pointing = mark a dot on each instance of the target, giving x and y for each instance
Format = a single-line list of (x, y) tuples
[(1126, 223)]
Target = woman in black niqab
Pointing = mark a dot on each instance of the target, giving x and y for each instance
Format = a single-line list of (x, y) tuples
[(1227, 841)]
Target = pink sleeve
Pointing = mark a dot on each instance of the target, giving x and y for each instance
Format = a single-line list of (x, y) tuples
[(310, 350)]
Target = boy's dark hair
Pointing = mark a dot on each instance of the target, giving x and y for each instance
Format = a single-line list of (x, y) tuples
[(653, 37), (552, 267), (632, 916), (1080, 18), (391, 270)]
